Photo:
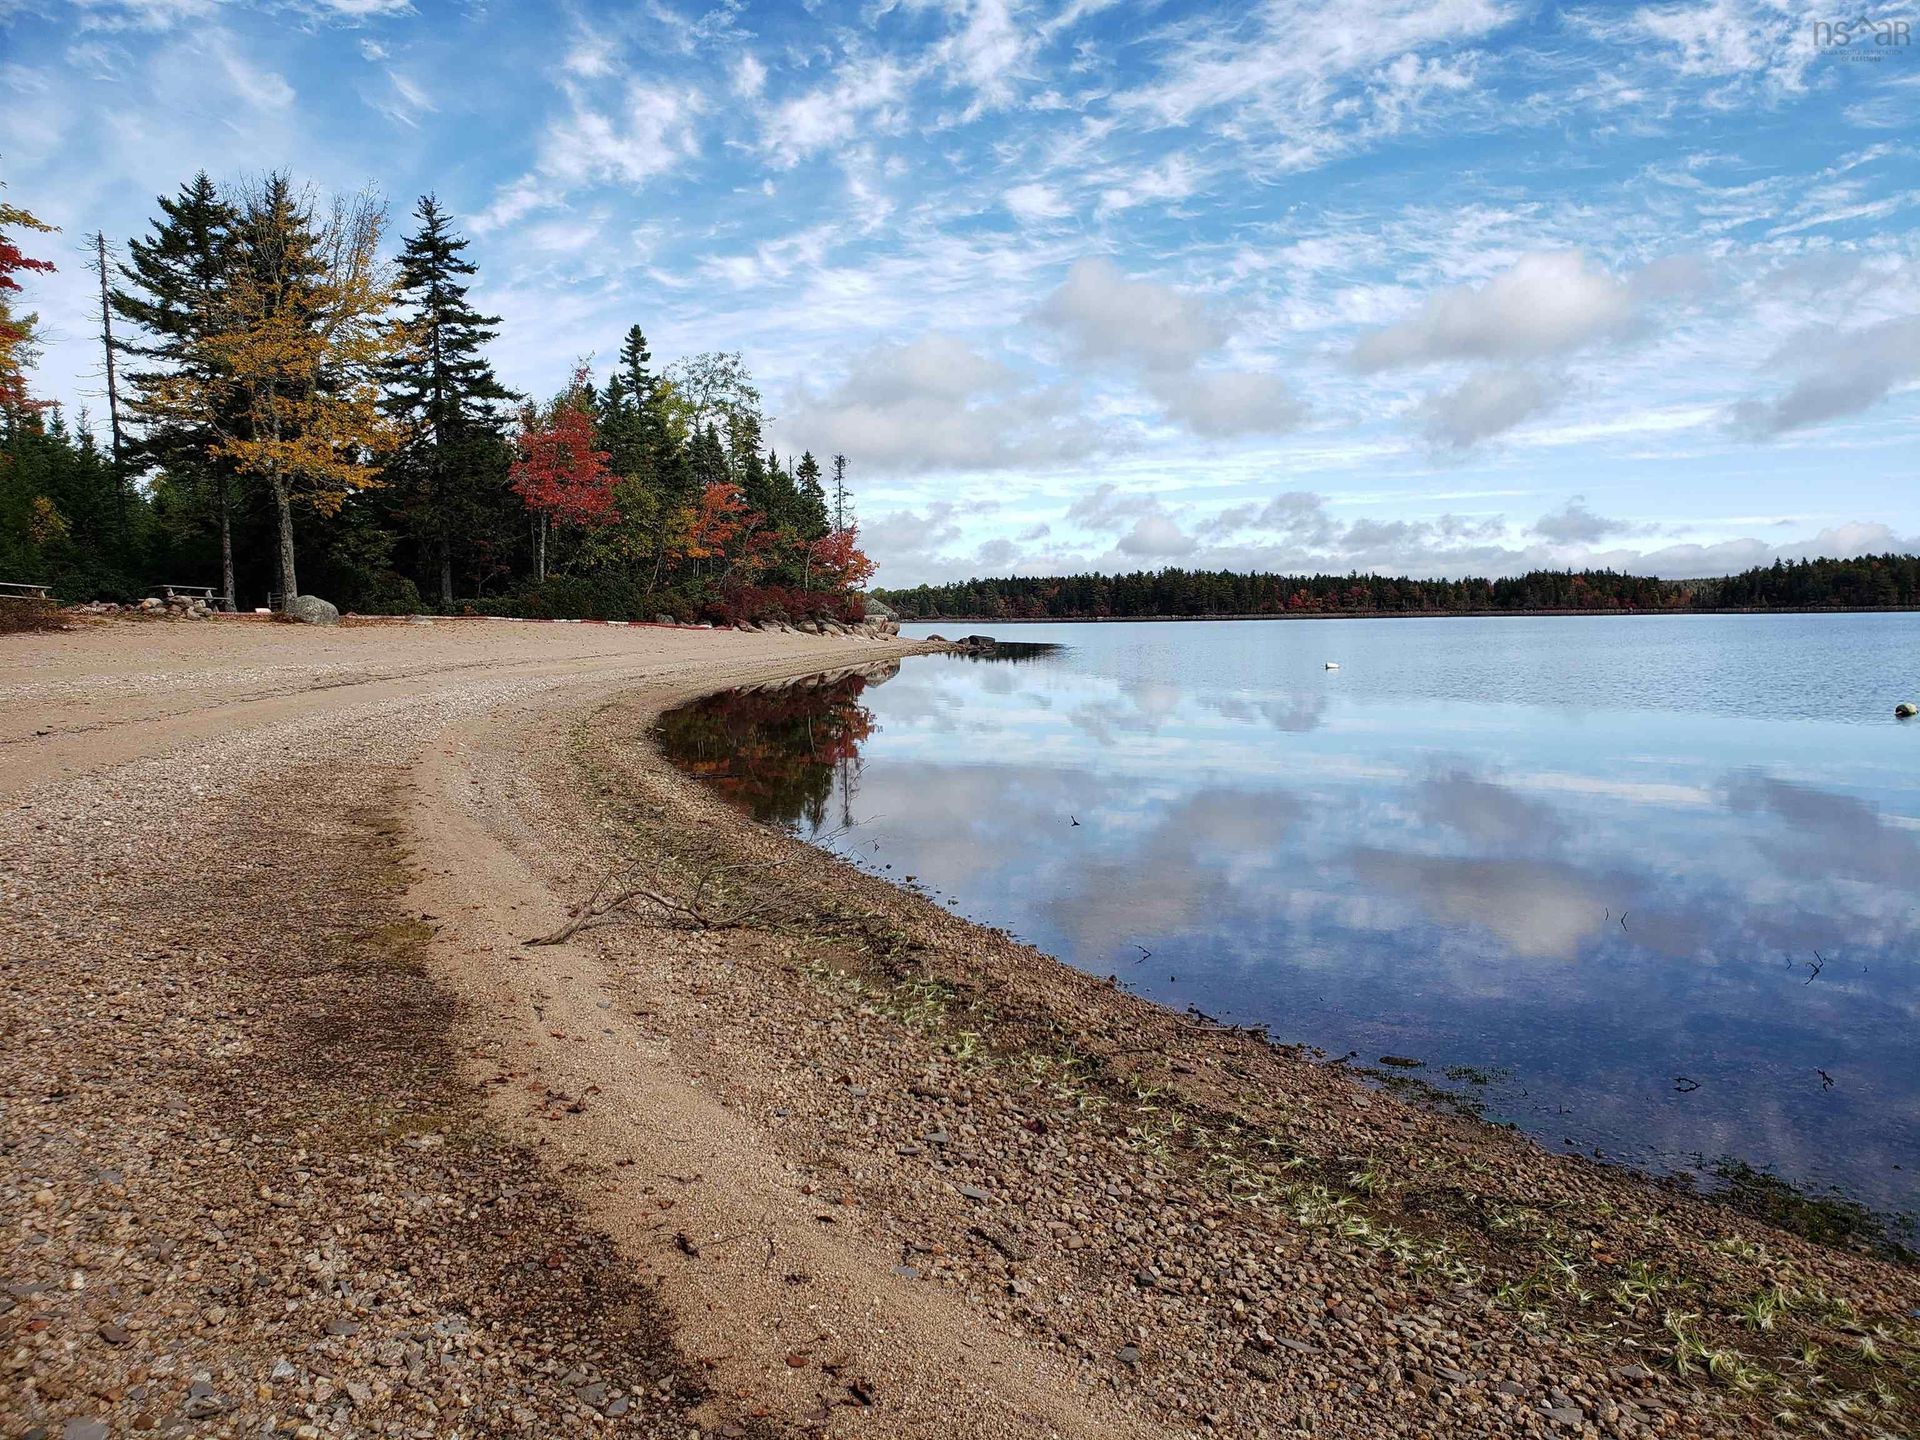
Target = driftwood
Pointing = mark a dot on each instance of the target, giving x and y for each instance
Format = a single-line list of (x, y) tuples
[(623, 894)]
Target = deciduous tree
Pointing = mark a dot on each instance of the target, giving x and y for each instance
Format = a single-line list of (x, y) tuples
[(561, 473)]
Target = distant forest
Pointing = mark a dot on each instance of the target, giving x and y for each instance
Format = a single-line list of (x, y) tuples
[(1869, 582)]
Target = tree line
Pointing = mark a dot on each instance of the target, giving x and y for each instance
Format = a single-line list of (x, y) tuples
[(292, 411), (1869, 582)]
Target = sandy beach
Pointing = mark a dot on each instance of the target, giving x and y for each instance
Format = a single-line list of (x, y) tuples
[(304, 1138)]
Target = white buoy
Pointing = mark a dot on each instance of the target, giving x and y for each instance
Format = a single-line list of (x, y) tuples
[(1333, 664)]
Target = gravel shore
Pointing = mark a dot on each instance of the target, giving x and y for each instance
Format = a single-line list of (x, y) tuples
[(302, 1138)]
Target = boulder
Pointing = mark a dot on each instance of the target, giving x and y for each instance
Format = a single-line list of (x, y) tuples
[(312, 610)]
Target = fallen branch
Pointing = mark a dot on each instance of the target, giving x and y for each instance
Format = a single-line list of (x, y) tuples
[(627, 897)]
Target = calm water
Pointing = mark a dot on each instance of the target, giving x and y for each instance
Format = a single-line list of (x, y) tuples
[(1656, 879)]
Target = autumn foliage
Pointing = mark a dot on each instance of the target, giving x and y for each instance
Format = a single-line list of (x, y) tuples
[(286, 380), (561, 472), (16, 331)]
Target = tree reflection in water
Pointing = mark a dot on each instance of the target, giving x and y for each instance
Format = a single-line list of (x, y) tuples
[(787, 753)]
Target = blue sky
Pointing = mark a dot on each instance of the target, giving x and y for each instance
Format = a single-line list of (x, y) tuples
[(1431, 286)]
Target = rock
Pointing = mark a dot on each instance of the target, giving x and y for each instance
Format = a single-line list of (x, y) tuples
[(114, 1334), (312, 610), (343, 1325), (418, 620), (663, 620), (1568, 1415), (1128, 1354), (84, 1430)]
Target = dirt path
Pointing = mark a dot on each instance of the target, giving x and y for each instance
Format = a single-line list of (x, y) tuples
[(302, 1138), (795, 1318)]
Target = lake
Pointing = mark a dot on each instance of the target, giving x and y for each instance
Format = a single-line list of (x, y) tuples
[(1646, 887)]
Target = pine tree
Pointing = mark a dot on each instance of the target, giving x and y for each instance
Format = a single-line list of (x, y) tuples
[(176, 282), (443, 392)]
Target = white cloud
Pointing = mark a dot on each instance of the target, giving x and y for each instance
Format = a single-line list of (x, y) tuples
[(1762, 40), (1545, 304), (255, 84), (1843, 371), (1171, 181), (647, 131), (1221, 403), (1483, 405), (1105, 316), (1035, 202), (1575, 524), (862, 93), (938, 404), (1155, 537), (748, 77), (987, 52)]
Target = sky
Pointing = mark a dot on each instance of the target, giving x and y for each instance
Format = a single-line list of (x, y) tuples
[(1432, 287)]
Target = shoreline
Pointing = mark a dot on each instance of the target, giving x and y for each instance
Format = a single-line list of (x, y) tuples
[(1017, 1200), (1412, 615), (971, 1006)]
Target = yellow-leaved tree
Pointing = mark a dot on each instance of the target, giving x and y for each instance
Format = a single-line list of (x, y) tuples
[(289, 379)]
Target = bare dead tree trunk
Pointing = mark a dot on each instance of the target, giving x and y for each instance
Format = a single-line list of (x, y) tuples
[(113, 380)]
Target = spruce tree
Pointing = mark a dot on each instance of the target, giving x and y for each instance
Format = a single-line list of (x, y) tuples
[(443, 391), (175, 281), (810, 508)]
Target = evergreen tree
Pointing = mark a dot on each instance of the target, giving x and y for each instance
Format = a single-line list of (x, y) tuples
[(174, 292), (441, 389), (810, 512)]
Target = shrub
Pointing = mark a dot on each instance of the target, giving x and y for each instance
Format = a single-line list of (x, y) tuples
[(751, 603)]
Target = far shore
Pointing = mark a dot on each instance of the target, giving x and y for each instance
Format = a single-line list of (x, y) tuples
[(1409, 615), (402, 1038)]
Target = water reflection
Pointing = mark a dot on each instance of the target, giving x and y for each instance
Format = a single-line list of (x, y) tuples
[(1588, 908), (782, 752)]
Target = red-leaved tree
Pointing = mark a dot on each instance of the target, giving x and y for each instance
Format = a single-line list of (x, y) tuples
[(838, 560), (561, 474), (16, 330)]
